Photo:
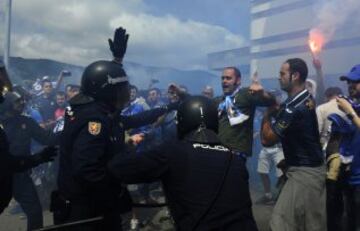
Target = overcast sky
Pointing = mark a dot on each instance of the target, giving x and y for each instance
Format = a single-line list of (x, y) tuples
[(162, 32)]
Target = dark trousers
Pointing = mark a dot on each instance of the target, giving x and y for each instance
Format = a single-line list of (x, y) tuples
[(335, 204), (343, 206), (353, 208), (25, 194)]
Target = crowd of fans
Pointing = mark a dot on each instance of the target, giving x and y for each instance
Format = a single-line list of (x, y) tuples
[(46, 101)]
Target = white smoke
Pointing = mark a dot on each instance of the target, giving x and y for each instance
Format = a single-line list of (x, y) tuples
[(334, 14)]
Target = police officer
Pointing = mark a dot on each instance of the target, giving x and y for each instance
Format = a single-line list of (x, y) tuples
[(206, 185), (9, 163), (93, 134), (20, 131)]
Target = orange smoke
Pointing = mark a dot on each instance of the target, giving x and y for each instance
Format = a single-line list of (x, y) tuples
[(316, 41)]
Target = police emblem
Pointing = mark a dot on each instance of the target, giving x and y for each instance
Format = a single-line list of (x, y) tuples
[(94, 128), (282, 124)]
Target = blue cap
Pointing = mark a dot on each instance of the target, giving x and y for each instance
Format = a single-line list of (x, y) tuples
[(353, 75)]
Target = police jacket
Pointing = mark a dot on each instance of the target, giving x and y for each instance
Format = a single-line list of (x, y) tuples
[(20, 130), (92, 135), (8, 165), (191, 171)]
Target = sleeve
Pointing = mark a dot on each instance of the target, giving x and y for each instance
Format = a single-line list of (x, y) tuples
[(138, 109), (259, 100), (10, 163), (143, 118), (35, 114), (88, 156), (45, 137), (143, 167), (320, 119), (283, 121)]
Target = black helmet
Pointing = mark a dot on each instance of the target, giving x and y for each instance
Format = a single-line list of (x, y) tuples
[(10, 99), (196, 113), (102, 80)]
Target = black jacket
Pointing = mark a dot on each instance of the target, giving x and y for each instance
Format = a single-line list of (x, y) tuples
[(191, 173), (296, 124), (92, 136), (8, 165), (20, 130)]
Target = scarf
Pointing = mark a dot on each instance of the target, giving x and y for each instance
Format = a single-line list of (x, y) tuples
[(233, 112)]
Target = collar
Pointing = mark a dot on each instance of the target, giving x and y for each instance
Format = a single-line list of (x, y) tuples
[(297, 99)]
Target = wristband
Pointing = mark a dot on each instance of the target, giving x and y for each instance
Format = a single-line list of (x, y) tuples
[(351, 115)]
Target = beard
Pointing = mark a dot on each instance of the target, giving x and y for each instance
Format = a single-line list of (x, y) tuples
[(353, 93), (229, 89)]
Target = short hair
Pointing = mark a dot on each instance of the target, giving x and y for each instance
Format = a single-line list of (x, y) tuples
[(60, 93), (333, 91), (236, 71), (298, 65), (45, 81), (133, 87), (155, 89)]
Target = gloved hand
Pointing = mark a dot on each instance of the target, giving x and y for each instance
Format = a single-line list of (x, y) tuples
[(46, 155), (119, 44)]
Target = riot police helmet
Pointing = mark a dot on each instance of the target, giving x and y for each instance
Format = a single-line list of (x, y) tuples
[(196, 113), (105, 81), (13, 103)]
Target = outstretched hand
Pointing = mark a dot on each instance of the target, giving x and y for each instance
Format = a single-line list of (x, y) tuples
[(137, 138), (255, 86), (119, 44)]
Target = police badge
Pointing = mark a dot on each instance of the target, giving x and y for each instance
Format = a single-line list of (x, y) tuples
[(94, 128)]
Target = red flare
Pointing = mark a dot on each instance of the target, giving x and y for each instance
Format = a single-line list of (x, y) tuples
[(316, 41)]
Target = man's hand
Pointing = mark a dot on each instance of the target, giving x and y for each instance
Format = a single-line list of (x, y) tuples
[(317, 64), (119, 44), (65, 73), (256, 87), (137, 139), (46, 155), (344, 105)]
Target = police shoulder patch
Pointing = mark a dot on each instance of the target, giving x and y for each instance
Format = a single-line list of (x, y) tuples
[(94, 128)]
